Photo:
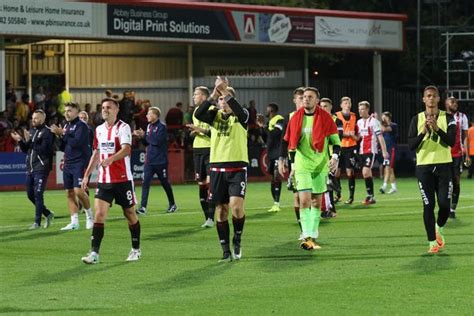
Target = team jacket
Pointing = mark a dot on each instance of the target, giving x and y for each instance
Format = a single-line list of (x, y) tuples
[(39, 149), (156, 142), (75, 143)]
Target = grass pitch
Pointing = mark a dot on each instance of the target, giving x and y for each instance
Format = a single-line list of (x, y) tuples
[(373, 260)]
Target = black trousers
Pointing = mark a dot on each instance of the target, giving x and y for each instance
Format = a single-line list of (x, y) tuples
[(435, 182), (35, 186)]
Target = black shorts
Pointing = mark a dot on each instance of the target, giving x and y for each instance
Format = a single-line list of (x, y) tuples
[(123, 193), (367, 160), (457, 166), (201, 166), (227, 184), (272, 166), (348, 158)]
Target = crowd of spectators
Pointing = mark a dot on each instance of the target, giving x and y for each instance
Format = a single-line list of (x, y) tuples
[(20, 107)]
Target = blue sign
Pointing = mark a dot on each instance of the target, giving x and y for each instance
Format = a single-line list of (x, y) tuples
[(12, 168)]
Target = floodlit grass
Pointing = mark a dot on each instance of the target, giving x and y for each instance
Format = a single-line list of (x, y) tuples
[(373, 260)]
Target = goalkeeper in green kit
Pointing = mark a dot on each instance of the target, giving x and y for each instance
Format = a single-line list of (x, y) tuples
[(309, 132)]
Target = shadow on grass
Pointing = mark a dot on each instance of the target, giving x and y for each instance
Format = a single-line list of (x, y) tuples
[(282, 257), (457, 223), (188, 278), (35, 234), (175, 233), (78, 272), (12, 232), (4, 310), (429, 264), (259, 215)]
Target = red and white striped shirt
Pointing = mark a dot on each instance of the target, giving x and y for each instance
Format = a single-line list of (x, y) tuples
[(368, 130), (461, 125), (109, 141)]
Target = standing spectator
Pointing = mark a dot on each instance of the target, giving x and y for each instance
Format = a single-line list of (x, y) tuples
[(63, 98), (53, 116), (40, 99), (108, 93), (126, 108), (97, 116), (85, 118), (87, 108), (188, 119), (22, 109), (141, 120), (390, 134), (174, 122), (188, 115), (38, 144), (156, 159), (10, 109), (470, 150), (174, 117)]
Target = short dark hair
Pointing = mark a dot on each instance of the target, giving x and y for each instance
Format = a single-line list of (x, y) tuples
[(388, 114), (273, 106), (298, 91), (313, 89), (73, 105), (326, 100), (110, 100), (431, 88), (204, 90)]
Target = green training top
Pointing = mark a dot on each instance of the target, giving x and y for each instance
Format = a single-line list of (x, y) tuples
[(432, 150), (201, 140), (228, 140), (306, 158), (273, 121)]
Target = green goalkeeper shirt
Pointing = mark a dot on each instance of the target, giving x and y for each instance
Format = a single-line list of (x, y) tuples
[(306, 158)]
